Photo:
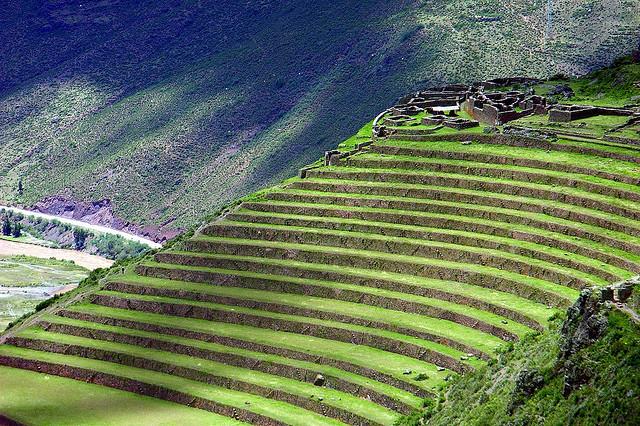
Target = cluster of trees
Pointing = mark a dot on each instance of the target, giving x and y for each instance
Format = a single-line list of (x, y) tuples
[(67, 236), (11, 228)]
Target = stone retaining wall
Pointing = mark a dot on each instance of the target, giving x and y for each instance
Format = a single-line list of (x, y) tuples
[(506, 174), (281, 285), (290, 310), (298, 236), (408, 218), (189, 374), (500, 159), (471, 184)]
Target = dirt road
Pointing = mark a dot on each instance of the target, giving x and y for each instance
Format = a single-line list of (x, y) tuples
[(89, 261)]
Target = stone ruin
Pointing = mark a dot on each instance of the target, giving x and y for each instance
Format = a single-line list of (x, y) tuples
[(498, 108), (568, 113), (493, 108), (621, 292), (493, 102), (451, 122)]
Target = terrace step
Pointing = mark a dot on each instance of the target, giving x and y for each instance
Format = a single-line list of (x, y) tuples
[(404, 180), (545, 176), (518, 308), (460, 310), (344, 356), (390, 219), (384, 395), (627, 155), (536, 290), (334, 404), (350, 241), (512, 157), (612, 238), (222, 401), (393, 239), (422, 193), (440, 331), (420, 349)]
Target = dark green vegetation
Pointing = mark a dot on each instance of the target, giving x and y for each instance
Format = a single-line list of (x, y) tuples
[(189, 105), (426, 275), (549, 379), (53, 233)]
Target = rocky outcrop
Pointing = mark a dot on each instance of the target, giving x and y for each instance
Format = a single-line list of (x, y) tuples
[(102, 213)]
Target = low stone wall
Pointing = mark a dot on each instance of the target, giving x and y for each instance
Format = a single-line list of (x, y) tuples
[(499, 173), (470, 210), (269, 367), (470, 183), (499, 159), (293, 310), (190, 374), (310, 289), (436, 251), (565, 114)]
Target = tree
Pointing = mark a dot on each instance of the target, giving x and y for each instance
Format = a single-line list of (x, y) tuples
[(79, 238), (20, 187), (17, 230), (6, 226)]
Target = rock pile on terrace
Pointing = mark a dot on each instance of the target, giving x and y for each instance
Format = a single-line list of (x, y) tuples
[(349, 295)]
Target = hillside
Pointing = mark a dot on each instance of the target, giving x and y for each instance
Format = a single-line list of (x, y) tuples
[(428, 258), (169, 112)]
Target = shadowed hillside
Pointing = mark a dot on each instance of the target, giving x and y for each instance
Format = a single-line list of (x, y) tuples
[(171, 110)]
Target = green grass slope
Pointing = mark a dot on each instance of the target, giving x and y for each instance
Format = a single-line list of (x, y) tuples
[(555, 378), (189, 105)]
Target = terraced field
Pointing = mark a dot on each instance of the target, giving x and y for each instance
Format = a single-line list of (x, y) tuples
[(350, 295)]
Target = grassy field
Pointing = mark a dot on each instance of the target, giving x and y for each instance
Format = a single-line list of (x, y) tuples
[(88, 404), (26, 281)]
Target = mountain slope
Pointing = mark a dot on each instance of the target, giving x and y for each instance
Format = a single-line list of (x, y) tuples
[(171, 111)]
